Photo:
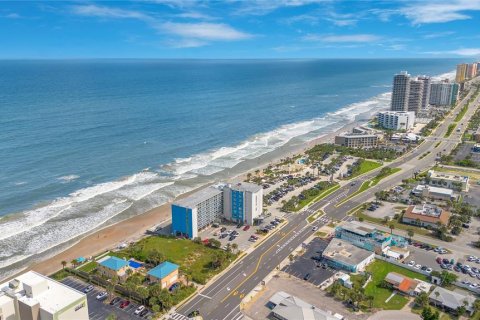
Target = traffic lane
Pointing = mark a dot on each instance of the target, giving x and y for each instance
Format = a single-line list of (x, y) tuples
[(234, 299), (223, 286)]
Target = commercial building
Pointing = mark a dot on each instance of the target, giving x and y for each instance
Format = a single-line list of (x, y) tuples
[(165, 273), (415, 95), (197, 211), (364, 237), (400, 91), (396, 120), (451, 181), (461, 74), (450, 301), (343, 255), (434, 193), (443, 93), (287, 307), (406, 285), (32, 296), (242, 202), (425, 215), (357, 140)]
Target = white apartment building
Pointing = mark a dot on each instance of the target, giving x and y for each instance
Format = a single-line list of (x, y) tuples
[(396, 120), (415, 95), (446, 180), (426, 90), (357, 140), (443, 93), (32, 296), (242, 202)]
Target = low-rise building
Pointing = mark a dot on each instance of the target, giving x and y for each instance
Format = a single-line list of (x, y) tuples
[(451, 300), (425, 215), (165, 273), (364, 236), (111, 266), (32, 296), (434, 193), (396, 120), (287, 307), (446, 180), (343, 255), (357, 140), (406, 285)]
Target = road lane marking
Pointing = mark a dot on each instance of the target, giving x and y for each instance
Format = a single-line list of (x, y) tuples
[(202, 295)]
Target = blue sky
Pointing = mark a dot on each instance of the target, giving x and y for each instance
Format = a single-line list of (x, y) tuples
[(240, 29)]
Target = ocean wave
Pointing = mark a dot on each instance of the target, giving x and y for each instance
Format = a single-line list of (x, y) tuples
[(68, 178)]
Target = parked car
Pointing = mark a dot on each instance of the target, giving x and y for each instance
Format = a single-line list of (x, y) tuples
[(139, 310), (115, 301), (102, 296), (124, 304), (88, 289), (429, 270), (144, 312), (306, 277), (411, 263), (173, 287), (246, 228)]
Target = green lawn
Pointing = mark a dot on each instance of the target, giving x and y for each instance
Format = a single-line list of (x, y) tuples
[(379, 269), (398, 225), (309, 199), (461, 113), (194, 259), (60, 275), (450, 130), (365, 166), (89, 267)]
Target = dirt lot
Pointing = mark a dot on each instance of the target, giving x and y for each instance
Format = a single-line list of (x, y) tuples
[(257, 309)]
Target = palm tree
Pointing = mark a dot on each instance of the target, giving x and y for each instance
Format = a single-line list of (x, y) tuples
[(410, 233), (391, 226), (73, 263), (64, 264), (143, 293), (234, 247)]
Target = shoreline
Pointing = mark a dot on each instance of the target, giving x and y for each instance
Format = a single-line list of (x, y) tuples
[(134, 228)]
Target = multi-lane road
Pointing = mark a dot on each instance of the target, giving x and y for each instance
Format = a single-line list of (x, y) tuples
[(221, 299)]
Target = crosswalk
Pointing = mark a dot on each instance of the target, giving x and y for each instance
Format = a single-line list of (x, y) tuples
[(178, 316)]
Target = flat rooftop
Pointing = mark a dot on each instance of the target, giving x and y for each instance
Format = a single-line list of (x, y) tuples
[(442, 175), (345, 252), (437, 190), (357, 228), (357, 135), (245, 187), (427, 210), (200, 196), (56, 297)]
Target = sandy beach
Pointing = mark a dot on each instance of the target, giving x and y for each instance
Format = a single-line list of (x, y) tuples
[(134, 228)]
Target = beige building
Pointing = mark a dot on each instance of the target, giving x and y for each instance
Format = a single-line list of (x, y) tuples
[(165, 273), (32, 296), (426, 215), (357, 140), (447, 180), (111, 267)]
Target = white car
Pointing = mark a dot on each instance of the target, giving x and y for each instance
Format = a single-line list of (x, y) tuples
[(418, 266), (102, 295), (315, 228), (139, 309), (429, 270), (411, 263)]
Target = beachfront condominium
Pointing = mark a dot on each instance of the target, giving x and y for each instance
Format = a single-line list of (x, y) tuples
[(357, 140), (426, 90), (461, 74), (443, 93), (197, 211), (471, 70), (239, 203), (32, 296), (415, 95), (242, 202), (400, 91), (396, 120)]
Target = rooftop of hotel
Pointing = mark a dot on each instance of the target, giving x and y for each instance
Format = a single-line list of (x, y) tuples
[(357, 135), (437, 190), (427, 213), (345, 252), (245, 187), (357, 228), (442, 175), (200, 196), (427, 210), (55, 296)]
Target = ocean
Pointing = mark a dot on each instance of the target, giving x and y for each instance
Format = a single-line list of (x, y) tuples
[(87, 143)]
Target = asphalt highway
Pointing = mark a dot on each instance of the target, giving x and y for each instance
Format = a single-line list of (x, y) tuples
[(221, 299)]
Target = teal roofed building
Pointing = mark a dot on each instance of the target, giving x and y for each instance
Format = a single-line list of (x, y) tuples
[(112, 266), (165, 273)]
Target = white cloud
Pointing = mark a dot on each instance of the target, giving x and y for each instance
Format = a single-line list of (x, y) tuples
[(186, 43), (349, 38), (194, 15), (263, 7), (439, 11), (467, 52), (92, 10), (204, 31), (438, 35), (12, 16)]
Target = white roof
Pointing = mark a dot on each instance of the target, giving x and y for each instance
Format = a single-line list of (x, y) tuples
[(292, 308), (443, 191), (56, 297)]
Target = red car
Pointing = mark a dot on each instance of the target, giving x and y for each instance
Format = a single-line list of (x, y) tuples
[(439, 260), (246, 228), (124, 304)]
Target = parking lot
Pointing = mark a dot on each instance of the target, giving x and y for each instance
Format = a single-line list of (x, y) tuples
[(98, 310), (305, 265)]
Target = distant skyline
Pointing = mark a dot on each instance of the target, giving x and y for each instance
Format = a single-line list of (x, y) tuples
[(240, 29)]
